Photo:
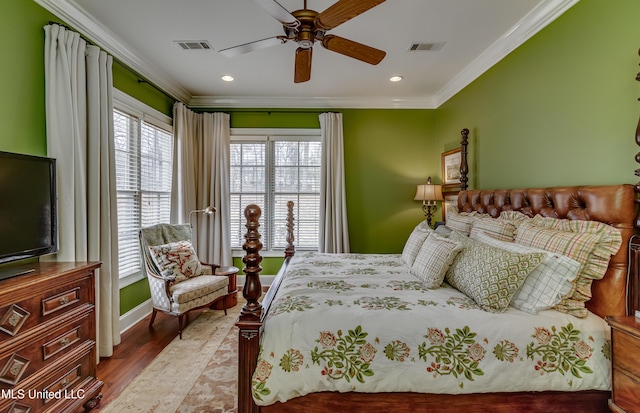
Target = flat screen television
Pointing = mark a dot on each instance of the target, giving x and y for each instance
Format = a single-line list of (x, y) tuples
[(28, 208)]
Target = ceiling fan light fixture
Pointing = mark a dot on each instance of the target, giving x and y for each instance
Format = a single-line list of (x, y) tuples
[(306, 27), (227, 78), (395, 78)]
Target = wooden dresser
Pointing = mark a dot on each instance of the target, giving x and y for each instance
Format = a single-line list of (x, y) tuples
[(625, 346), (48, 339)]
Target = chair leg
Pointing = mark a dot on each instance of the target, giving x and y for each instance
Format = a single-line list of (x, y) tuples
[(153, 317), (180, 317)]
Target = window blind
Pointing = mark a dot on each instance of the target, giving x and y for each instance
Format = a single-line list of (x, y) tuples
[(143, 155), (270, 172)]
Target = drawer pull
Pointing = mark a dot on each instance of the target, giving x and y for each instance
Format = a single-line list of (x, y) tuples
[(63, 341), (64, 383), (60, 301)]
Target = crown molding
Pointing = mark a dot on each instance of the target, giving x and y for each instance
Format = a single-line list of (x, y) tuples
[(543, 14), (79, 19), (537, 19), (226, 102)]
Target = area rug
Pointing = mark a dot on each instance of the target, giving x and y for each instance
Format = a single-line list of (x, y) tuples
[(197, 374)]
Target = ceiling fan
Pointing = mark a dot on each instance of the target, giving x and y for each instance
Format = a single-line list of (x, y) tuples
[(306, 26)]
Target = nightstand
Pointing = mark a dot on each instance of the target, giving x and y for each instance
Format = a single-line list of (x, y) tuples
[(231, 299), (625, 352)]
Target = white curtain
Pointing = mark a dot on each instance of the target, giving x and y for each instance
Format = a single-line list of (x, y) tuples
[(79, 117), (201, 179), (334, 230)]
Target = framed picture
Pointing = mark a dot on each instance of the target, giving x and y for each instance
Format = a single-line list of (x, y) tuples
[(451, 168), (450, 203)]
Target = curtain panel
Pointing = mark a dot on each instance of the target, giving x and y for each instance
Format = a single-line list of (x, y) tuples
[(79, 116), (201, 178), (334, 229)]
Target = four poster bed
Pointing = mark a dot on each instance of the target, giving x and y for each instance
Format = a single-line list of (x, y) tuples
[(373, 333)]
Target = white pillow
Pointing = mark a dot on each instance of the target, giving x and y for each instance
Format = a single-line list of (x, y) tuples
[(547, 284), (501, 229), (434, 259), (461, 221), (177, 259), (414, 242)]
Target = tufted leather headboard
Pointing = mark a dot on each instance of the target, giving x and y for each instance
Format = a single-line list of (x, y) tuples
[(613, 205)]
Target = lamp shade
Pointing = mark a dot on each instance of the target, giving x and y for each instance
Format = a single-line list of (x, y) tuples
[(429, 192)]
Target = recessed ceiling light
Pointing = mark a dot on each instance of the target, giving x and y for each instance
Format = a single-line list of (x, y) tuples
[(395, 78), (227, 78)]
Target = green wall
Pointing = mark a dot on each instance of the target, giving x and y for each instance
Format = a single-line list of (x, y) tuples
[(22, 77), (568, 96), (22, 108), (387, 153)]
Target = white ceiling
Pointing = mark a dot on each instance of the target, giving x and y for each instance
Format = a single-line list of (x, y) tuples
[(143, 34)]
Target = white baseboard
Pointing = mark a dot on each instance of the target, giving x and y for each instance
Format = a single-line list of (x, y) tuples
[(265, 280), (131, 317)]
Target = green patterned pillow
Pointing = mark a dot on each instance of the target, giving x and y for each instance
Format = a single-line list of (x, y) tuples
[(489, 275)]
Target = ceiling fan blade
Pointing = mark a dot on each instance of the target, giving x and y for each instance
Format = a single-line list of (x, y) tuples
[(342, 11), (251, 46), (353, 49), (278, 12), (302, 71)]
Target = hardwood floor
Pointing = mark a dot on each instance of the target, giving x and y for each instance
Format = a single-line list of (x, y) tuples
[(138, 347)]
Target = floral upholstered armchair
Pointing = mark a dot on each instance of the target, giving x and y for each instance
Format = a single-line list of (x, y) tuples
[(178, 281)]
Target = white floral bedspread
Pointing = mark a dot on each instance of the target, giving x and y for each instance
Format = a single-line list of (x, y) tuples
[(353, 322)]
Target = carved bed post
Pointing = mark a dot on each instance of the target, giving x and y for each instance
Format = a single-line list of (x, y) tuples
[(638, 156), (249, 323), (633, 301), (291, 249), (464, 167)]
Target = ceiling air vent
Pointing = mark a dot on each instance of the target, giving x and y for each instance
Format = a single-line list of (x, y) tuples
[(425, 47), (194, 44)]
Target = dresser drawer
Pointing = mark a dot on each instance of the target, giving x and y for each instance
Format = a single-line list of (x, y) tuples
[(18, 363), (61, 386), (626, 391), (626, 349), (20, 317)]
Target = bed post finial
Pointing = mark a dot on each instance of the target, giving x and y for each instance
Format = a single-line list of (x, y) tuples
[(464, 167), (291, 249)]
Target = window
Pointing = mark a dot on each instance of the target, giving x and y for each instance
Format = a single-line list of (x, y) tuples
[(270, 170), (144, 154)]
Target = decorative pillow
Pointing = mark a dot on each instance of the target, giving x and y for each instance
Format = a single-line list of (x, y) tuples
[(414, 242), (443, 230), (177, 259), (547, 284), (514, 216), (461, 221), (490, 276), (423, 225), (504, 230), (433, 260), (588, 242)]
